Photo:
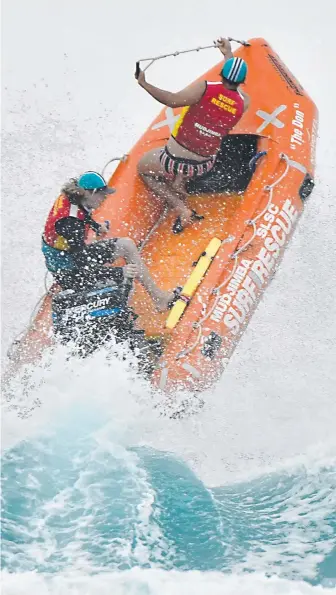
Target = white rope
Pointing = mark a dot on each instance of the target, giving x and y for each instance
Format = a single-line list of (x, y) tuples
[(153, 229), (204, 47), (269, 188), (185, 352), (178, 53), (123, 158), (285, 158), (216, 291), (174, 54)]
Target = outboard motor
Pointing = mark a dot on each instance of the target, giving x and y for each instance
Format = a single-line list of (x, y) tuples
[(89, 318)]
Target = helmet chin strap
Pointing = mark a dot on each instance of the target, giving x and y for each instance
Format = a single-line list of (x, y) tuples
[(92, 208)]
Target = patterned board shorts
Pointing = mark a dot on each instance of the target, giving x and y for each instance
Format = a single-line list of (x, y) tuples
[(186, 167)]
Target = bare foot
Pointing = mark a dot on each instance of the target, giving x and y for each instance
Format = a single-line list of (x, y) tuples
[(162, 300), (186, 217)]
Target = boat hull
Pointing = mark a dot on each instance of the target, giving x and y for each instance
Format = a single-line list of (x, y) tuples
[(253, 214)]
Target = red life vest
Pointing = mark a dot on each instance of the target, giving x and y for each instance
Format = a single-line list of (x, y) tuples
[(62, 208), (201, 127)]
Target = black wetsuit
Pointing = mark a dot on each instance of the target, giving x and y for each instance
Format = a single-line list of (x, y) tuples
[(89, 259)]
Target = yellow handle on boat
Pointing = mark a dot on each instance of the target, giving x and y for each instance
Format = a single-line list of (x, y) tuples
[(193, 282)]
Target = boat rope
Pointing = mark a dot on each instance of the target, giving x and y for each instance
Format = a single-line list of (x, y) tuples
[(178, 53), (39, 302), (123, 159), (153, 229), (17, 339), (234, 256)]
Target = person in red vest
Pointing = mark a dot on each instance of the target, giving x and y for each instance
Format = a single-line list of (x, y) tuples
[(211, 110), (77, 265)]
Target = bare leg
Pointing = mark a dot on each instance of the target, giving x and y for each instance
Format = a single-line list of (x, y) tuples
[(172, 198), (127, 249), (179, 185), (172, 192)]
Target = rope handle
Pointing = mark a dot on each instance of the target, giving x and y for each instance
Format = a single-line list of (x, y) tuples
[(234, 256), (241, 41), (123, 158), (205, 47)]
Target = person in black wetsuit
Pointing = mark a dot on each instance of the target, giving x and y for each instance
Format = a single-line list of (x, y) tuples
[(77, 265)]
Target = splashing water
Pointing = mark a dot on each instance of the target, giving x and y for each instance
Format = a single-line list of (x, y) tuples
[(102, 491), (85, 495)]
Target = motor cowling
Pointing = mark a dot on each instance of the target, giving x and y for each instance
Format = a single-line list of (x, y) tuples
[(87, 317)]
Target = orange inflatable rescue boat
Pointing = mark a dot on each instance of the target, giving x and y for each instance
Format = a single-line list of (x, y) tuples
[(251, 202)]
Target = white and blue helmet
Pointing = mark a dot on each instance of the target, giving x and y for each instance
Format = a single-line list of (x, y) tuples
[(234, 70)]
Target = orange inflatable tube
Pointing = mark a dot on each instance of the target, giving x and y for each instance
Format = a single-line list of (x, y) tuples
[(251, 202)]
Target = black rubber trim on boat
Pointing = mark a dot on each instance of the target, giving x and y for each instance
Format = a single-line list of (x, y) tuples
[(255, 159), (306, 187), (211, 345)]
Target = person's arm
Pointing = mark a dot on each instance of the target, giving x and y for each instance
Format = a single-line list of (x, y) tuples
[(73, 230), (224, 46), (188, 96), (89, 221), (247, 99)]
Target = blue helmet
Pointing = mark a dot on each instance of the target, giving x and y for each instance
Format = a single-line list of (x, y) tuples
[(91, 180), (234, 70)]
